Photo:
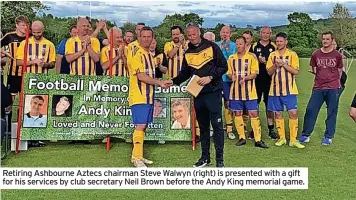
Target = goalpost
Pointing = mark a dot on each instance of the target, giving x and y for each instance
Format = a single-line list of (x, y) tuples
[(348, 59)]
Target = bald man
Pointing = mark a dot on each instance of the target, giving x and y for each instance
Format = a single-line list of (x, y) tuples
[(118, 67), (41, 56), (82, 51), (228, 48)]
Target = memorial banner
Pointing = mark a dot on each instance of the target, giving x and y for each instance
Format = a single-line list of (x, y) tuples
[(66, 107)]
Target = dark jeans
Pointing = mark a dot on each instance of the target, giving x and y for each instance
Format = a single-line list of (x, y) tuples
[(208, 108), (317, 99)]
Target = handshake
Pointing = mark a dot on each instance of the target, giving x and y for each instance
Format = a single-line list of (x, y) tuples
[(166, 84)]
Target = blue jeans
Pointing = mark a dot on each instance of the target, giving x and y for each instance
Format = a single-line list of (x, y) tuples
[(317, 99)]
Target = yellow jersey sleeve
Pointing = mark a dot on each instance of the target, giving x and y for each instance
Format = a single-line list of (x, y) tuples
[(168, 47), (20, 51), (104, 55), (136, 63), (52, 55), (269, 61), (294, 60), (69, 47), (95, 44), (230, 65), (254, 65)]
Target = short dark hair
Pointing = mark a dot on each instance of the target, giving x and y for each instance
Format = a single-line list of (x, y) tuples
[(37, 97), (283, 35), (328, 33), (242, 38), (141, 23), (21, 18), (71, 28), (129, 31), (147, 28), (177, 27), (248, 32)]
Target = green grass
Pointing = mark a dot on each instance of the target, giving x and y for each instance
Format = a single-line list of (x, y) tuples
[(331, 168)]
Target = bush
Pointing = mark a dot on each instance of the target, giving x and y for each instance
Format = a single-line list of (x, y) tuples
[(303, 52)]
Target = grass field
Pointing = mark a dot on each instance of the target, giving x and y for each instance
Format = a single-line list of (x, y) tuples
[(331, 168)]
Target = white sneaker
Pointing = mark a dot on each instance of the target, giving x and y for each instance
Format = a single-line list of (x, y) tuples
[(144, 160), (161, 142), (139, 163), (231, 135)]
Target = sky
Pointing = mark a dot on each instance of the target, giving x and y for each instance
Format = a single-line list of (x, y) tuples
[(239, 13)]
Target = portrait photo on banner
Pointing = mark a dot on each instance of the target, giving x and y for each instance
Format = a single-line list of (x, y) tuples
[(35, 111), (62, 105), (180, 113), (160, 108)]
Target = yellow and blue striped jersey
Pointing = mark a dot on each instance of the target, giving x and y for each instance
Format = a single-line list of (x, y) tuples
[(242, 67), (175, 63), (84, 65), (12, 40), (118, 68), (283, 83), (43, 49), (141, 62)]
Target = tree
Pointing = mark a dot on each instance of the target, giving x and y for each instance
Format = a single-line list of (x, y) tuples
[(343, 25), (11, 9), (301, 32)]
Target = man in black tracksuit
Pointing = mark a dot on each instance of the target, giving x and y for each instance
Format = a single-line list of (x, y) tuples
[(205, 59)]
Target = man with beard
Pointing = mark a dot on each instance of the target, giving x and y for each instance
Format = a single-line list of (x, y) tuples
[(129, 36), (41, 54), (174, 51), (327, 65)]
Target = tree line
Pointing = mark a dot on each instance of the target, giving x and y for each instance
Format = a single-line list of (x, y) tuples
[(303, 32)]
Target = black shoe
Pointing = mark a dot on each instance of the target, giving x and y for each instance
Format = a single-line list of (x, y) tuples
[(273, 135), (251, 136), (241, 142), (261, 144), (36, 144), (202, 163), (220, 164)]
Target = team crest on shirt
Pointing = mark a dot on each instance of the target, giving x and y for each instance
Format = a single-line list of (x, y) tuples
[(270, 50), (43, 52), (258, 49)]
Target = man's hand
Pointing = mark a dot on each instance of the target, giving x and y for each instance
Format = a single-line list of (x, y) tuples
[(262, 59), (279, 62), (204, 80), (181, 39), (233, 77), (37, 61), (158, 61), (166, 84), (101, 24), (242, 80)]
